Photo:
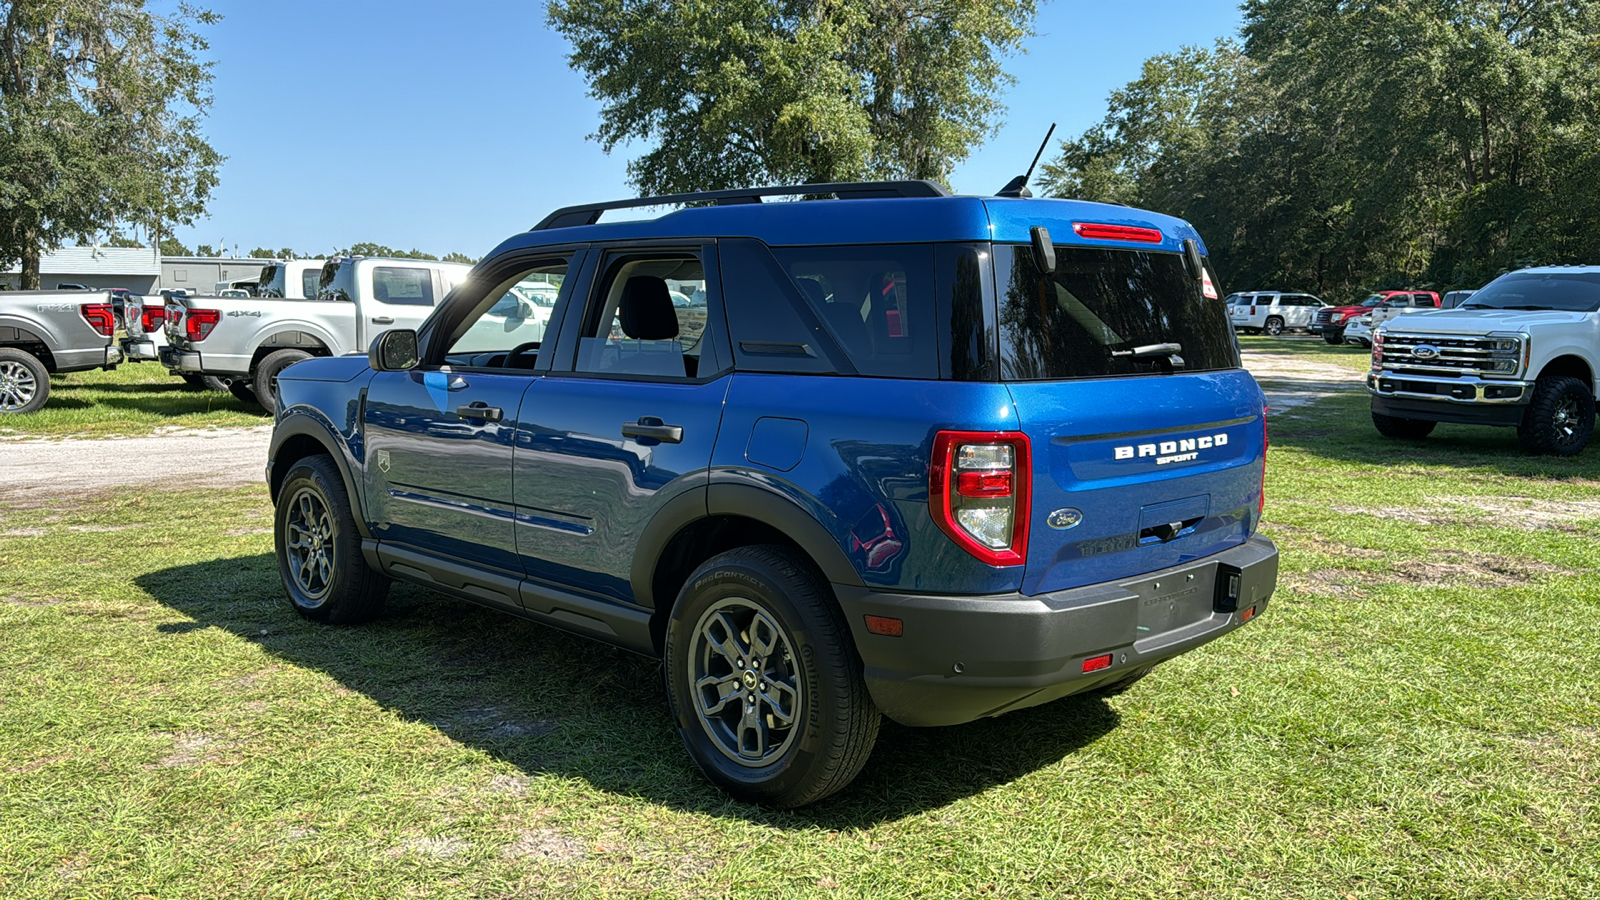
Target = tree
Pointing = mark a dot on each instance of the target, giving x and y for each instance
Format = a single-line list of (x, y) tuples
[(460, 258), (100, 108), (371, 249), (117, 240), (743, 92), (171, 246), (280, 253)]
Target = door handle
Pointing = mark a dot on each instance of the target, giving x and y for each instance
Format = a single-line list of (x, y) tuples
[(382, 320), (481, 410), (652, 428)]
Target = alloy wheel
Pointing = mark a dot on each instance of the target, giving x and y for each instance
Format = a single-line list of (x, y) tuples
[(310, 545), (746, 682), (1565, 419), (18, 387)]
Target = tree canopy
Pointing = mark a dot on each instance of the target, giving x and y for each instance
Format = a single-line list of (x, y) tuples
[(100, 110), (1345, 145), (733, 93)]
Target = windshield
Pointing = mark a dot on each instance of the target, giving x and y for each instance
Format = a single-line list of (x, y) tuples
[(1569, 291), (1106, 313), (1372, 301)]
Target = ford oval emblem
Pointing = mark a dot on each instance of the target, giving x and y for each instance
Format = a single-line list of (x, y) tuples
[(1424, 351), (1062, 519)]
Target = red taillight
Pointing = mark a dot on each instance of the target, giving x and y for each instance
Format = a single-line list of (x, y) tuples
[(1097, 663), (1252, 309), (978, 489), (100, 317), (199, 322), (152, 318), (1097, 231)]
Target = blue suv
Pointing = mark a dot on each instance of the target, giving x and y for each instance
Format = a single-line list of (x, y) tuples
[(878, 450)]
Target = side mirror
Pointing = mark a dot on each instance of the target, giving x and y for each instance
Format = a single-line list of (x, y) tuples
[(1044, 250), (394, 351)]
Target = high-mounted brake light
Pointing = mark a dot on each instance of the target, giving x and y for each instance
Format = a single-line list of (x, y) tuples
[(1099, 231), (199, 322), (100, 317), (979, 484)]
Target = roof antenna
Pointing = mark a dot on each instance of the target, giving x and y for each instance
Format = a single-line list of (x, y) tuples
[(1018, 186)]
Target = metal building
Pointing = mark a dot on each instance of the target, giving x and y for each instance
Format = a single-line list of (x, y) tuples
[(136, 268)]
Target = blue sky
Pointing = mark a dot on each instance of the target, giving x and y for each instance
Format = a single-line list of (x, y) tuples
[(450, 126)]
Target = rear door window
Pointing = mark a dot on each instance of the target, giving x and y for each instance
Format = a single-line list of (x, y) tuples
[(1106, 313), (402, 285)]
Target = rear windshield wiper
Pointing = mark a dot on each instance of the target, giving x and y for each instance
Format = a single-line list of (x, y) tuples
[(1149, 350)]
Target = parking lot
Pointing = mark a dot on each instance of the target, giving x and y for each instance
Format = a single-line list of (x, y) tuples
[(1414, 714)]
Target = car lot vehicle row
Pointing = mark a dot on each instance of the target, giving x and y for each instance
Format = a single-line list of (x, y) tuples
[(892, 453), (1331, 322), (43, 333)]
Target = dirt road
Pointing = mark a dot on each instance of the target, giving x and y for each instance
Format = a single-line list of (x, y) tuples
[(222, 457)]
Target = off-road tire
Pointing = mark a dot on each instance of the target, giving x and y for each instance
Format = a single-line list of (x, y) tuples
[(242, 391), (1332, 336), (1559, 419), (345, 591), (265, 377), (1406, 429), (836, 722), (1274, 326), (26, 380)]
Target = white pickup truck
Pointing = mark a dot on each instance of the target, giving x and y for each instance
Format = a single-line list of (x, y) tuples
[(250, 340), (1520, 353)]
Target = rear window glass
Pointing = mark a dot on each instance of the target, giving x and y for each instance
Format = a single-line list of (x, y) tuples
[(309, 280), (1106, 313)]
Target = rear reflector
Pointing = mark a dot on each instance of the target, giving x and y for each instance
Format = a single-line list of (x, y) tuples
[(1097, 663), (1248, 614), (1097, 231), (884, 625)]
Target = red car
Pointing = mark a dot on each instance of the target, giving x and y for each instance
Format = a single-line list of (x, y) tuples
[(1330, 321)]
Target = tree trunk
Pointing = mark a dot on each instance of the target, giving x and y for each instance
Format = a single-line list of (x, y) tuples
[(30, 260)]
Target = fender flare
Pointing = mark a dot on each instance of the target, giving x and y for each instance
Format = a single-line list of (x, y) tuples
[(320, 335), (299, 423)]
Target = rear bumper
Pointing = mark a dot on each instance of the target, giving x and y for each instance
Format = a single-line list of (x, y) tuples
[(194, 362), (966, 658), (139, 350), (106, 357)]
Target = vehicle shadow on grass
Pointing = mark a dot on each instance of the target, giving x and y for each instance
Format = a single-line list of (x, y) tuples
[(182, 403), (549, 702)]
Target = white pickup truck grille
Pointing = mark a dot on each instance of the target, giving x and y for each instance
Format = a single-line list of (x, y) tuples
[(1422, 354)]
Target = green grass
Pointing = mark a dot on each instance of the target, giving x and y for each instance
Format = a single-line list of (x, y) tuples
[(1415, 715), (1311, 347), (134, 399)]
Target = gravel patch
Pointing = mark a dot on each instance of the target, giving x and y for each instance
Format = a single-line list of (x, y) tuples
[(41, 472)]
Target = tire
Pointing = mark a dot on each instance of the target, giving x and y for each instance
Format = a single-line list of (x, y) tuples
[(1274, 326), (319, 548), (265, 376), (1560, 417), (24, 381), (733, 605), (1407, 429), (242, 391), (1332, 336)]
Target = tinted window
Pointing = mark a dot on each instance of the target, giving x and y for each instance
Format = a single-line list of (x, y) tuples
[(1571, 291), (402, 286), (1106, 312), (876, 300), (773, 328)]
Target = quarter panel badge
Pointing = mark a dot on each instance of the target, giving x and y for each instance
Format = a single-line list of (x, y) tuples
[(383, 460), (1062, 519)]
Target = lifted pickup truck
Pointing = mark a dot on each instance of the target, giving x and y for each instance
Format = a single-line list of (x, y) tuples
[(43, 333), (1521, 353), (250, 340)]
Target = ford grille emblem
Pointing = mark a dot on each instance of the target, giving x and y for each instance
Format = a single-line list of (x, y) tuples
[(1425, 351), (1062, 519)]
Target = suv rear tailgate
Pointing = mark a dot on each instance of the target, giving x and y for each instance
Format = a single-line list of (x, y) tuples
[(1135, 475)]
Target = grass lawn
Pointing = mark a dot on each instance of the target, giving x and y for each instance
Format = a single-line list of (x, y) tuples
[(134, 399), (1415, 715)]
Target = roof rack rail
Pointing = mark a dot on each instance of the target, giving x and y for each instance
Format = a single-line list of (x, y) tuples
[(589, 213)]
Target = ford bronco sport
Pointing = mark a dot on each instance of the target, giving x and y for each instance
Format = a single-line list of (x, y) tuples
[(928, 456)]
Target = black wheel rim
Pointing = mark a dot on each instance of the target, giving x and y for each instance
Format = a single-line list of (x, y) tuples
[(309, 541), (745, 681), (18, 387), (1567, 420)]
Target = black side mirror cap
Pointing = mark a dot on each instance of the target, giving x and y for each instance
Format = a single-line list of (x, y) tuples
[(1192, 260), (1044, 250), (394, 351)]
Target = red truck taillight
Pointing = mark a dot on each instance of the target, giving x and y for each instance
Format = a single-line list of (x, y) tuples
[(197, 324), (979, 483), (100, 317), (152, 318)]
